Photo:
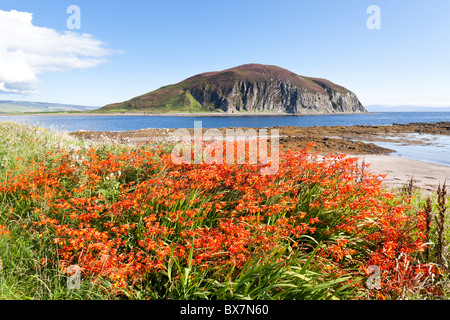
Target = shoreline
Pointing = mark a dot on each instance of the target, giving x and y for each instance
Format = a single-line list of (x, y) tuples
[(427, 176), (357, 141), (131, 114), (334, 140)]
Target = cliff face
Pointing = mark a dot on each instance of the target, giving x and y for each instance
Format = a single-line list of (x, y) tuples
[(248, 88), (275, 96)]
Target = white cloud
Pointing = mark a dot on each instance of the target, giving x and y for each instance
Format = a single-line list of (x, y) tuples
[(27, 50)]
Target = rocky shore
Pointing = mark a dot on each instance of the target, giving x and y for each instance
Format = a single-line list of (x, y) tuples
[(354, 140)]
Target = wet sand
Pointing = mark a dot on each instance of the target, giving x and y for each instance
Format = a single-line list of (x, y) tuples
[(426, 176)]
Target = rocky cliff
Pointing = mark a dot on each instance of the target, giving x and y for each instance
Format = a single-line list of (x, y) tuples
[(247, 88)]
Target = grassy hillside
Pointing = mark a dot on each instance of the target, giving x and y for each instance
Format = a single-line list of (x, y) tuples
[(7, 106), (178, 98), (164, 100)]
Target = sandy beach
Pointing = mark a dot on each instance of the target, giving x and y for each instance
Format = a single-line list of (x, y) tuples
[(426, 176)]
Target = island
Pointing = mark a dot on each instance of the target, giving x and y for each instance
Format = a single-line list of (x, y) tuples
[(243, 90)]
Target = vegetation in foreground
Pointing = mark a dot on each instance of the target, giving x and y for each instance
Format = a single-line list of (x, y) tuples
[(129, 223)]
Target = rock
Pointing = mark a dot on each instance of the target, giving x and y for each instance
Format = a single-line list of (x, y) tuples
[(249, 88)]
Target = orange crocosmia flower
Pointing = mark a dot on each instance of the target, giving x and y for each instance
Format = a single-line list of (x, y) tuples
[(127, 215), (4, 231)]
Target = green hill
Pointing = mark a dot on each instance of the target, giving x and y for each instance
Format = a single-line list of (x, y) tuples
[(9, 106), (247, 88)]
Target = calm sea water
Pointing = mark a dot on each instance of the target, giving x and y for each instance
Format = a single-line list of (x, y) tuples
[(436, 148), (125, 123), (437, 153)]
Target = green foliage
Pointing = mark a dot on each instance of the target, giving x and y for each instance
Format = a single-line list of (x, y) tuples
[(283, 273), (269, 277)]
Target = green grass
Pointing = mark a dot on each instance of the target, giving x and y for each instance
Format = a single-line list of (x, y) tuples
[(24, 142), (183, 102), (5, 108), (24, 275)]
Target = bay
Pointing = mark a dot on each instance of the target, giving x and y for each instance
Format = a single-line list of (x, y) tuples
[(125, 123), (436, 153), (434, 148)]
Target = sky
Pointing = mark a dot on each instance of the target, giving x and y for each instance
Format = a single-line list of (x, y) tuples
[(111, 51)]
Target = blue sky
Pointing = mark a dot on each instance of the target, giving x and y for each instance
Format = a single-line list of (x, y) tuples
[(148, 44)]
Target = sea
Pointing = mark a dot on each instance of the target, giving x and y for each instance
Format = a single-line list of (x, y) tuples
[(436, 152)]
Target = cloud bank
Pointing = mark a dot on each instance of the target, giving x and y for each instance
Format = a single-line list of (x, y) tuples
[(27, 50)]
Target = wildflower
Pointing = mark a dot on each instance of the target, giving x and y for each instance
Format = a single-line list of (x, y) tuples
[(223, 214)]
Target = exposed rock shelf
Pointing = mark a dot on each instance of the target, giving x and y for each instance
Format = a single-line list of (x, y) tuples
[(328, 139)]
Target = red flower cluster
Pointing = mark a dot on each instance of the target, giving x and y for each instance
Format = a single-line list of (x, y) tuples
[(124, 216)]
